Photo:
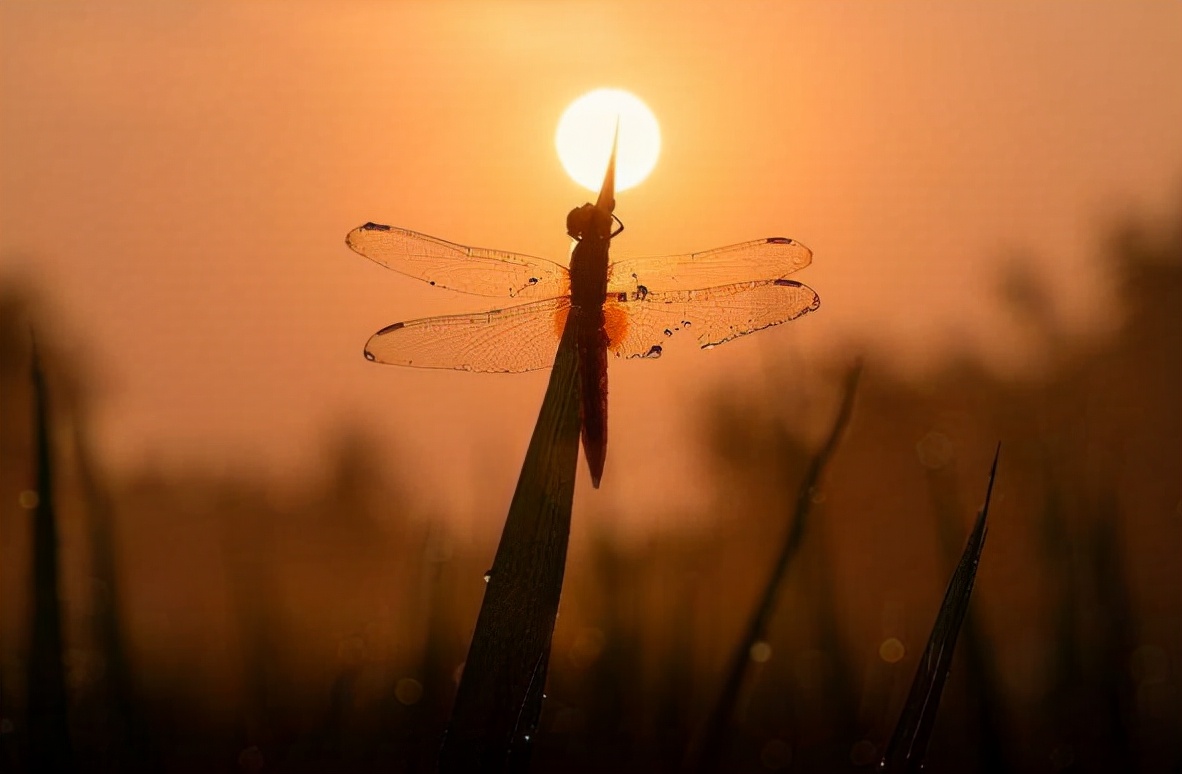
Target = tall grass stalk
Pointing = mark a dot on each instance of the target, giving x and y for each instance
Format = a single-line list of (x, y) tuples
[(49, 733), (500, 696), (707, 751), (981, 675), (908, 745), (500, 692)]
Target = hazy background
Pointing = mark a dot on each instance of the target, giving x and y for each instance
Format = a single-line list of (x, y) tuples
[(178, 179), (284, 533)]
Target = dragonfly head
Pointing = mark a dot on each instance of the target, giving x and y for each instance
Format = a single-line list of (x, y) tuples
[(589, 220)]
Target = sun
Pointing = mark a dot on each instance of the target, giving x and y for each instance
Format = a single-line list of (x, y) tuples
[(584, 138)]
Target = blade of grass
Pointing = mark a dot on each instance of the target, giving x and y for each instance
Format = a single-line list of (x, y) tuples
[(500, 692), (499, 699), (986, 706), (49, 733), (706, 754), (908, 746)]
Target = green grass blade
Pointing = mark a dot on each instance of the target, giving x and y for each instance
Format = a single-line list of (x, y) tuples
[(500, 692), (706, 753), (909, 743), (49, 734)]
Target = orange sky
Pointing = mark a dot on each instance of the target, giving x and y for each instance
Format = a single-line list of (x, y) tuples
[(179, 178)]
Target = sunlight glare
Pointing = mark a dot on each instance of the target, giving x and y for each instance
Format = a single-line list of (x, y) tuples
[(584, 138)]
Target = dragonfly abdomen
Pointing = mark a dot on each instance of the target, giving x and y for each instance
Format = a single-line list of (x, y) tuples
[(588, 288), (592, 345)]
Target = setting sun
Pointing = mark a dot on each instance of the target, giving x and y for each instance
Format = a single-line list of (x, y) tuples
[(584, 138)]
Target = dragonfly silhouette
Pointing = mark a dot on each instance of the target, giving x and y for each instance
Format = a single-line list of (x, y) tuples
[(629, 307)]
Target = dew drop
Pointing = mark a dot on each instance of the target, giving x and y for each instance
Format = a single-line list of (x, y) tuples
[(655, 352), (369, 356), (668, 332), (488, 576), (641, 292), (685, 323)]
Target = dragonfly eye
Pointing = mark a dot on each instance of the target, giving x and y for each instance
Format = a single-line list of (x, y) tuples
[(577, 221), (588, 219)]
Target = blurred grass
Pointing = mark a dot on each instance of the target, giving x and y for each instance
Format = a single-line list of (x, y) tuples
[(50, 748), (127, 746), (368, 598), (706, 753)]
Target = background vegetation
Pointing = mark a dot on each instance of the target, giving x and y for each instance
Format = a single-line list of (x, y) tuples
[(214, 623)]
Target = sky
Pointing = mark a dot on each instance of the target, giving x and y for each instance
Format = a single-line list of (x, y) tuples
[(177, 180)]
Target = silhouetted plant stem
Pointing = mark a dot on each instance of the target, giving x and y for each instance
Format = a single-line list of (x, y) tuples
[(499, 699), (908, 745), (982, 679), (49, 734), (500, 692), (707, 753)]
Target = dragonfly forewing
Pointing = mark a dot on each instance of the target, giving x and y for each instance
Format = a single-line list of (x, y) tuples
[(449, 265), (754, 261)]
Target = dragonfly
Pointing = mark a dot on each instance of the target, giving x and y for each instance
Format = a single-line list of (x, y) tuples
[(628, 308)]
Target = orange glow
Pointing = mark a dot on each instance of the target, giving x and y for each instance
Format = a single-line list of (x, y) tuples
[(615, 322), (176, 181), (560, 322)]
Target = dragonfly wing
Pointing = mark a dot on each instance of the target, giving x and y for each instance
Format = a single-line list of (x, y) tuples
[(640, 324), (760, 259), (457, 267), (517, 338)]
